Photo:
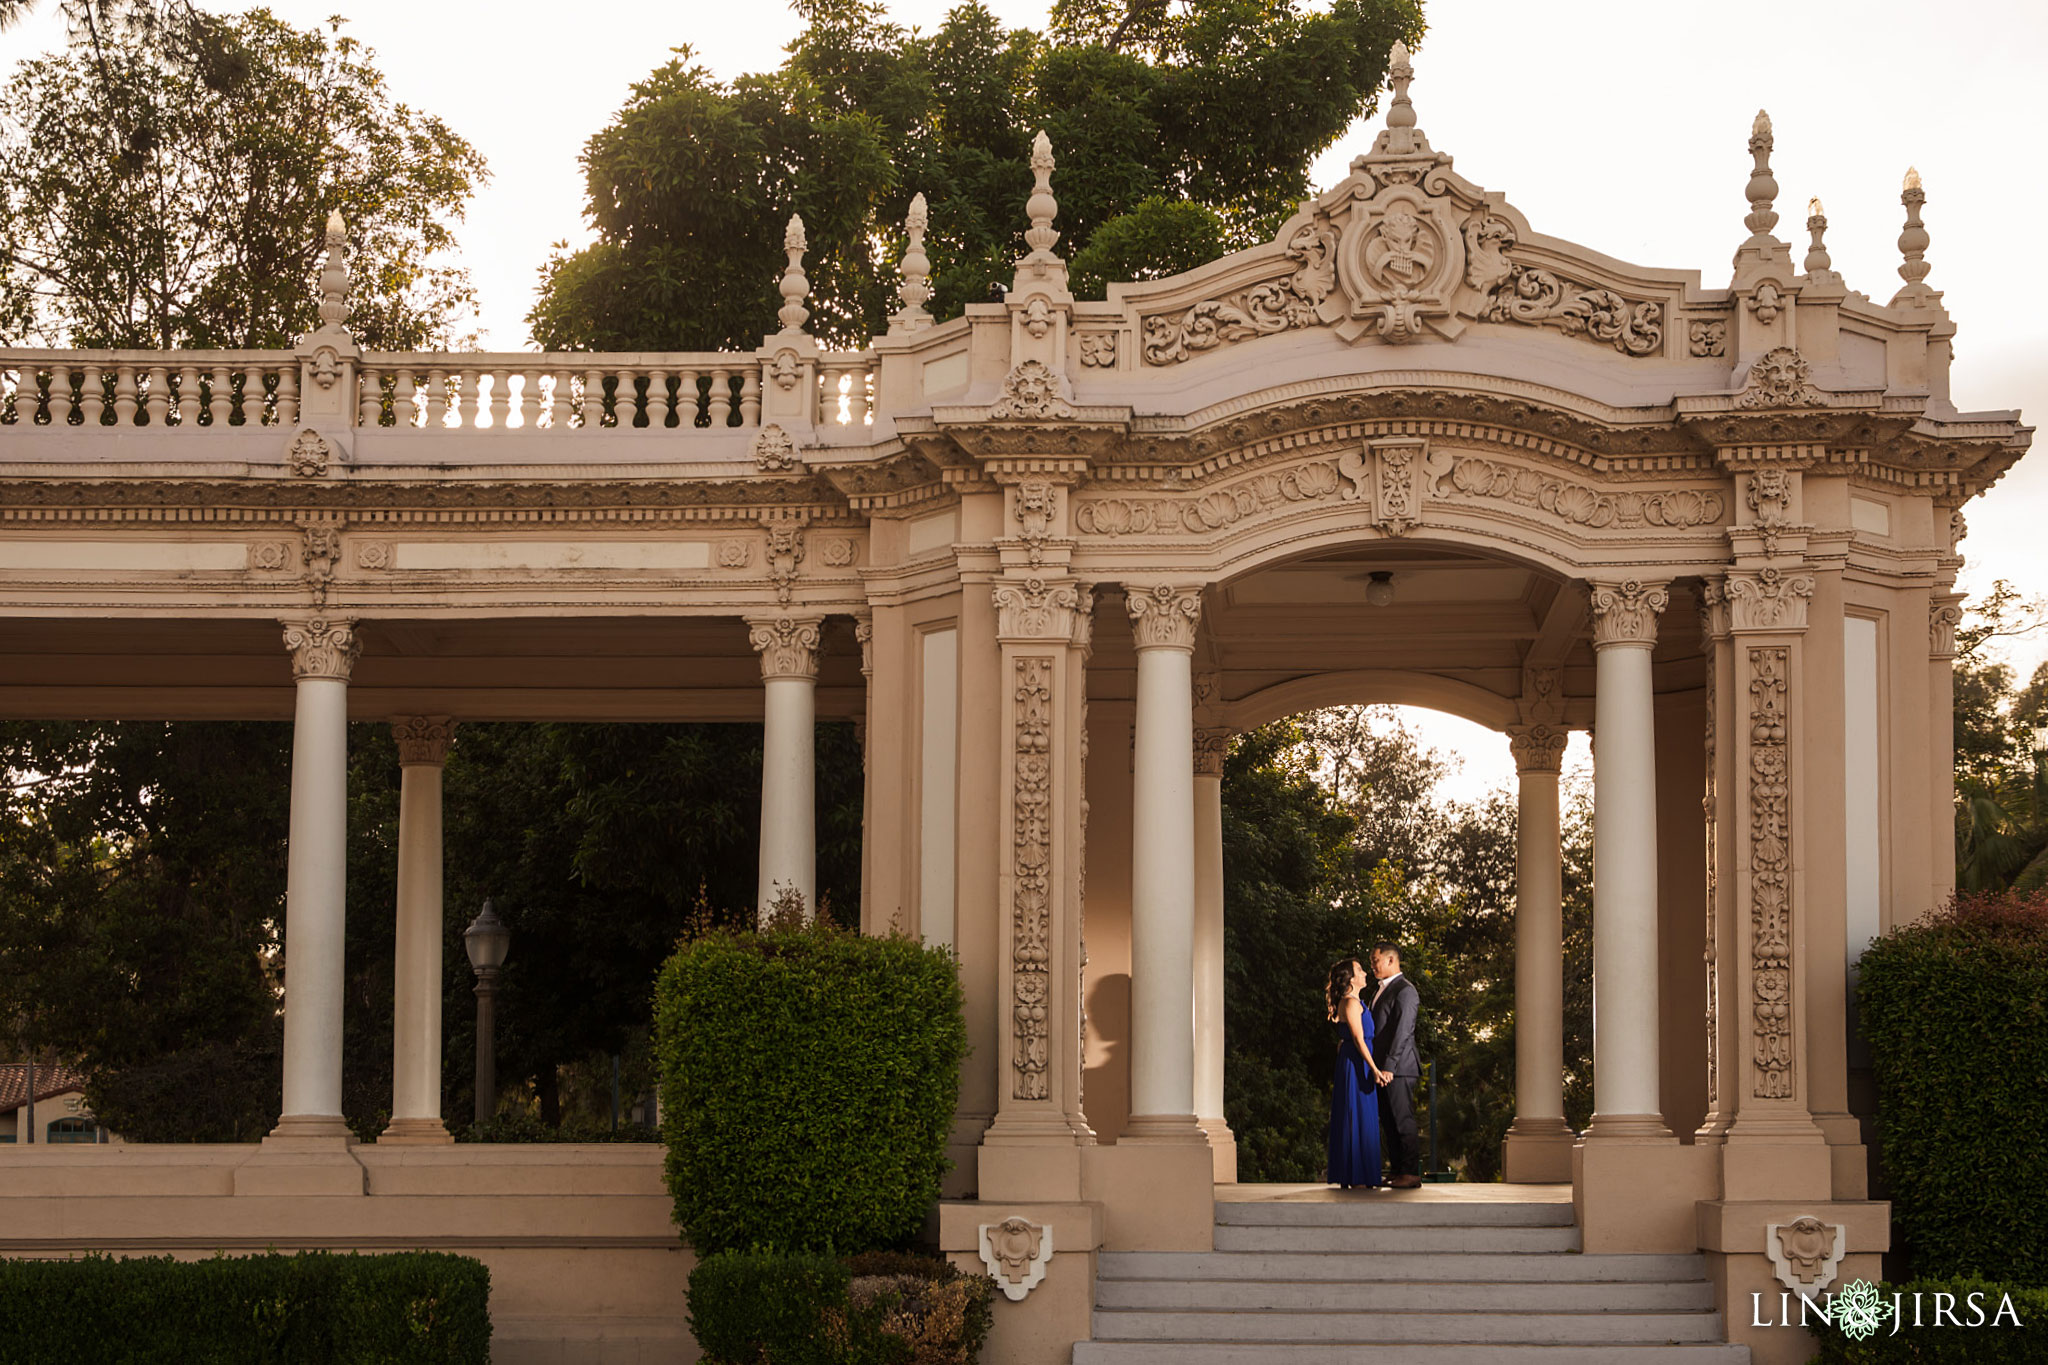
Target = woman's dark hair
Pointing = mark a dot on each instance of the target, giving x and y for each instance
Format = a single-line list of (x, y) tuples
[(1339, 985)]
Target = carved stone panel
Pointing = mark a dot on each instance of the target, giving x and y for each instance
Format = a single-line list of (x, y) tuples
[(1805, 1253), (1031, 874), (1770, 872), (1016, 1252)]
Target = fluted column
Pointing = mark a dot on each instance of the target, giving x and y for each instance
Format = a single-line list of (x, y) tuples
[(416, 979), (1163, 620), (788, 646), (1210, 746), (1539, 1143), (323, 651), (1626, 1103)]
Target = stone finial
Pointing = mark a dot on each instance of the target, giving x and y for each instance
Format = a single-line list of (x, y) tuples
[(1399, 73), (795, 287), (1913, 245), (334, 280), (1041, 207), (917, 272), (1818, 262), (1763, 188)]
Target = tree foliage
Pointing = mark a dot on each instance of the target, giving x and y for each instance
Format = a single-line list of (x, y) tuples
[(2001, 779), (1185, 133), (151, 197)]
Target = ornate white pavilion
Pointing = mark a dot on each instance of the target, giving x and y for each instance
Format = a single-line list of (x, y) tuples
[(1051, 555)]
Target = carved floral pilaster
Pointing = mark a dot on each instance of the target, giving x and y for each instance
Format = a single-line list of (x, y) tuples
[(1626, 613), (322, 647), (1031, 827), (1164, 617), (1770, 871), (788, 645), (422, 739), (1538, 748)]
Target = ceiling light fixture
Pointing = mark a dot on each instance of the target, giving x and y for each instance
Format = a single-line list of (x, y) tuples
[(1379, 588)]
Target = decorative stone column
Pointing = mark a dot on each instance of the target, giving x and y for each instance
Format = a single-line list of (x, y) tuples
[(1538, 1148), (323, 651), (1163, 620), (1625, 1034), (788, 646), (416, 984), (1210, 747)]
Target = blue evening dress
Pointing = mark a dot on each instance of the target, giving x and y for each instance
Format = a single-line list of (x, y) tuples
[(1354, 1113)]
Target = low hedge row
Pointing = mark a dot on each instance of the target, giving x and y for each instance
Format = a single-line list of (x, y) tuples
[(806, 1308), (1928, 1344), (315, 1308)]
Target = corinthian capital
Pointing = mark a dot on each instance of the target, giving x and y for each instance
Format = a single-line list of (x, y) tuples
[(422, 739), (1212, 746), (322, 647), (1038, 609), (1626, 613), (1768, 600), (1164, 617), (1538, 748), (788, 645)]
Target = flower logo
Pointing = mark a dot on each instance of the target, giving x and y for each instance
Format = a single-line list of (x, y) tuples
[(1858, 1309)]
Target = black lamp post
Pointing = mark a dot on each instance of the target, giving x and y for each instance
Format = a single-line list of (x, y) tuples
[(486, 940)]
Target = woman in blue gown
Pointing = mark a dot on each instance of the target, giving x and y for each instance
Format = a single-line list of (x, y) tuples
[(1354, 1095)]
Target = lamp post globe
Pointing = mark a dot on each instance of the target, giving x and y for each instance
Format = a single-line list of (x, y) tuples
[(487, 941)]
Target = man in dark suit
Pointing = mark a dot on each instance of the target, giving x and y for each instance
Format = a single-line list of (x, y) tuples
[(1393, 1033)]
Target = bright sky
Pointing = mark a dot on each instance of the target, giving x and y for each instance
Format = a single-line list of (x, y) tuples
[(1619, 124)]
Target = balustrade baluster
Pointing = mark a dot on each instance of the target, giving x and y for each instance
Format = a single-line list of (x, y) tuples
[(501, 398), (750, 396), (593, 399), (657, 400), (465, 397), (220, 405), (288, 395), (403, 408), (60, 395), (558, 402), (686, 400), (156, 400), (254, 399), (529, 400), (625, 402), (721, 399), (437, 399), (857, 406), (188, 395), (92, 397), (124, 395), (369, 398)]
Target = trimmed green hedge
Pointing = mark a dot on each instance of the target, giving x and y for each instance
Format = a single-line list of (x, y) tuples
[(880, 1308), (1929, 1345), (808, 1082), (315, 1308), (1955, 1009)]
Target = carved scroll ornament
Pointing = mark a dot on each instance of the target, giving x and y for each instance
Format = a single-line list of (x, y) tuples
[(1519, 293), (1473, 476), (1626, 613), (1770, 873), (1035, 609), (1262, 310), (788, 645), (1210, 511), (1164, 617), (322, 648), (1768, 599), (1031, 866), (1538, 748)]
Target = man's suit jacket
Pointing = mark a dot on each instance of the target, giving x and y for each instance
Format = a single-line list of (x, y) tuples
[(1393, 1027)]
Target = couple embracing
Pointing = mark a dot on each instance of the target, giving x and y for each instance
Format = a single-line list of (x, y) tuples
[(1374, 1093)]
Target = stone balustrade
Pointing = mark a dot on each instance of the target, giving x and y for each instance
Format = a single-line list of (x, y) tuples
[(163, 389)]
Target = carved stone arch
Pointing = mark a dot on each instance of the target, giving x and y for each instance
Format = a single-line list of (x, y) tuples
[(1301, 532), (1372, 687)]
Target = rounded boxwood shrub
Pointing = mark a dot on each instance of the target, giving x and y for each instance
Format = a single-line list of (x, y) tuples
[(1955, 1008), (808, 1081)]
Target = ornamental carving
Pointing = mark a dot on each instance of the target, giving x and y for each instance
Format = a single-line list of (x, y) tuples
[(1164, 617), (1710, 807), (1768, 600), (1538, 748), (785, 554), (1770, 872), (269, 555), (319, 553), (1705, 339), (788, 645), (864, 636), (1016, 1252), (1540, 298), (1031, 392), (422, 739), (322, 648), (837, 552), (784, 369), (1262, 310), (1211, 511), (1036, 502), (1805, 1253), (1766, 303), (1098, 350), (374, 555), (775, 450), (1035, 609), (1211, 746), (309, 454), (734, 554), (1031, 880), (1942, 619), (1473, 476), (1401, 262), (1542, 699), (1626, 613), (1394, 483), (1780, 378)]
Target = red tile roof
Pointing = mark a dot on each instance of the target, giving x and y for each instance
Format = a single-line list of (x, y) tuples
[(51, 1081)]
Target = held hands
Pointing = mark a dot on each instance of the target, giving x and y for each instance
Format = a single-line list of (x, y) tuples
[(1383, 1077)]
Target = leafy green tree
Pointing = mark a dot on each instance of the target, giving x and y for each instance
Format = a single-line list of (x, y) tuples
[(151, 200), (1182, 130), (2001, 785)]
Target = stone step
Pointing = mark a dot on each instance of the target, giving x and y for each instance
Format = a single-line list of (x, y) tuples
[(1382, 1353), (1208, 1326), (1448, 1296), (1409, 1241), (1387, 1267), (1391, 1210)]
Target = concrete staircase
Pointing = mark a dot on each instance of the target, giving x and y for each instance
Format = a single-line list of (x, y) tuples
[(1396, 1279)]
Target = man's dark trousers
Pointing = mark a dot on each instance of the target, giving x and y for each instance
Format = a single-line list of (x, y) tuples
[(1397, 1126)]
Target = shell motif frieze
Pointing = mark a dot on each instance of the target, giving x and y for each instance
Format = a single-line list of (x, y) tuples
[(1208, 511), (1475, 477)]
